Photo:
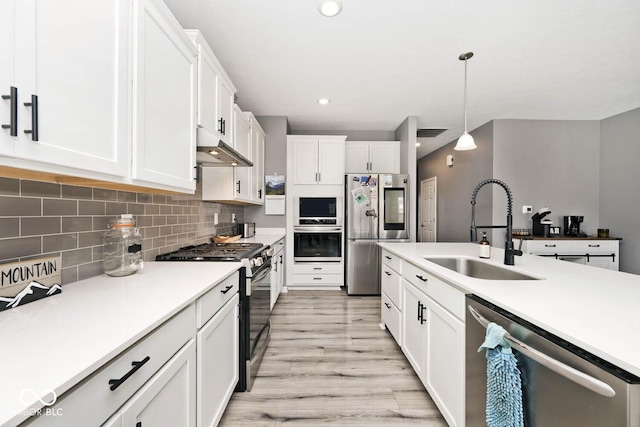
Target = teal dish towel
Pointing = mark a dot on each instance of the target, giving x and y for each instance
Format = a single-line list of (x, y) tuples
[(504, 385)]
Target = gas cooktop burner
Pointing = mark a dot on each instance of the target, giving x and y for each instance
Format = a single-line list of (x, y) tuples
[(214, 252)]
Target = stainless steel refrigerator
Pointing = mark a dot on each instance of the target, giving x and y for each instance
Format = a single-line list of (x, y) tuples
[(376, 209)]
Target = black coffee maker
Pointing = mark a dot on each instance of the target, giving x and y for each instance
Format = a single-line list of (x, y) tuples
[(572, 226)]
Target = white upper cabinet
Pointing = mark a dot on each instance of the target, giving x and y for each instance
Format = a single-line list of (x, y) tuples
[(372, 157), (69, 64), (216, 93), (242, 144), (257, 157), (317, 159), (164, 99)]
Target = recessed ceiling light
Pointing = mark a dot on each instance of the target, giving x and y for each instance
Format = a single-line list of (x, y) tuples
[(213, 152), (417, 144), (330, 8), (323, 101)]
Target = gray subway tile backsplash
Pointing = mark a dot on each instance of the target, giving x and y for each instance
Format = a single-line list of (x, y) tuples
[(42, 218)]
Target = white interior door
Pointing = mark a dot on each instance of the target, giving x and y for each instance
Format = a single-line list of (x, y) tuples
[(428, 209)]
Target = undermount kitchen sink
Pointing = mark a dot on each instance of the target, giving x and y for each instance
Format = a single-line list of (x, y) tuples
[(480, 270)]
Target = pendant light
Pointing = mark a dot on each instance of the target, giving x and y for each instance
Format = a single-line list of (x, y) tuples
[(465, 142)]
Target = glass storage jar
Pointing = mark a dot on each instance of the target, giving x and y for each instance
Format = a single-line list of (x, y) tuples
[(122, 247)]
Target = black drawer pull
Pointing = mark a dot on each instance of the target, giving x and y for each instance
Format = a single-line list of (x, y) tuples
[(424, 279), (387, 257), (227, 289), (388, 305), (549, 246), (387, 273), (594, 246), (317, 268), (114, 384), (317, 278)]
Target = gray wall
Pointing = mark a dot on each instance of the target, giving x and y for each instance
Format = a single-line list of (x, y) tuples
[(548, 163), (407, 135), (620, 173), (275, 162), (455, 185)]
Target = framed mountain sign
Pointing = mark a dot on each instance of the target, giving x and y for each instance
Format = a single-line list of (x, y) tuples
[(26, 281)]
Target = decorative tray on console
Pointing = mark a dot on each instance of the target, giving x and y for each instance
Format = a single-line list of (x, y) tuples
[(218, 238)]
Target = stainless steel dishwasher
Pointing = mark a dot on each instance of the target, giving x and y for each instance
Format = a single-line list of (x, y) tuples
[(563, 385)]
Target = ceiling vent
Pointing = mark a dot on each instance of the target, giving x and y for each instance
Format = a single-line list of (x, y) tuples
[(429, 133)]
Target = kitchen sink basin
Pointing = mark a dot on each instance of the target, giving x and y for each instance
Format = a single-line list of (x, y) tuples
[(480, 270)]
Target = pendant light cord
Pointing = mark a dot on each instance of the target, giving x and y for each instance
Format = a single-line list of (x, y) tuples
[(465, 95)]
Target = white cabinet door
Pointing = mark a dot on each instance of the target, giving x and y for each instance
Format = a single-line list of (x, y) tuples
[(208, 80), (7, 77), (72, 63), (330, 162), (384, 157), (445, 362), (165, 99), (305, 157), (414, 328), (242, 144), (226, 100), (218, 355), (169, 398), (356, 157), (257, 152)]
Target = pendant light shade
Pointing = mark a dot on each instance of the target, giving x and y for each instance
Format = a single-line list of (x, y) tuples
[(465, 142)]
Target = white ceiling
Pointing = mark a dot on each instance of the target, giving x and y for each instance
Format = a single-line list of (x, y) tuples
[(380, 61)]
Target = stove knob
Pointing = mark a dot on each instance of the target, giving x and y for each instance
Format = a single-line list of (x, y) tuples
[(258, 261)]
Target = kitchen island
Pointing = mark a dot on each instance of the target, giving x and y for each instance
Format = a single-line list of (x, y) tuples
[(593, 308)]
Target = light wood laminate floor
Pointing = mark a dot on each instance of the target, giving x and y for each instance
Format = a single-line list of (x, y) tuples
[(329, 363)]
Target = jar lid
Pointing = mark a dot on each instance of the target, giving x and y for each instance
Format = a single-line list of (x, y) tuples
[(124, 220)]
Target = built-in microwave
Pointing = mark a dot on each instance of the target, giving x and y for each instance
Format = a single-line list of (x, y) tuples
[(318, 211)]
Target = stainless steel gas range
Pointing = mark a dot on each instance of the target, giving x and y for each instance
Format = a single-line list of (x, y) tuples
[(255, 297)]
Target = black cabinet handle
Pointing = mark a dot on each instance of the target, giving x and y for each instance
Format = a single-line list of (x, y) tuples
[(34, 117), (114, 384), (238, 184), (424, 279), (549, 246), (594, 246), (220, 125), (317, 278), (419, 310), (224, 127), (227, 289), (387, 257), (387, 273), (260, 194), (317, 268), (139, 424), (422, 319), (13, 99), (388, 305)]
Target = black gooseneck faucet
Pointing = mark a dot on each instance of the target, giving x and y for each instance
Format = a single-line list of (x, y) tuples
[(509, 251)]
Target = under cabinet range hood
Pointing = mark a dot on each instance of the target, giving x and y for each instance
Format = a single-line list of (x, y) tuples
[(212, 151)]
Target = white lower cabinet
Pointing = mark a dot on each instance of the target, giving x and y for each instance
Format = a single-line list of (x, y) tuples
[(317, 275), (217, 363), (433, 337), (414, 328), (168, 399), (445, 362)]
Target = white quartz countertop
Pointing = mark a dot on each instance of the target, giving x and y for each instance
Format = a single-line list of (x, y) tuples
[(264, 238), (593, 308), (53, 343)]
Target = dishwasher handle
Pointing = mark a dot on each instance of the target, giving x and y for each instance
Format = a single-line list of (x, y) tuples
[(556, 366)]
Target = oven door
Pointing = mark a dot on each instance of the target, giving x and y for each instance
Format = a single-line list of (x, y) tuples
[(259, 302), (313, 244)]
